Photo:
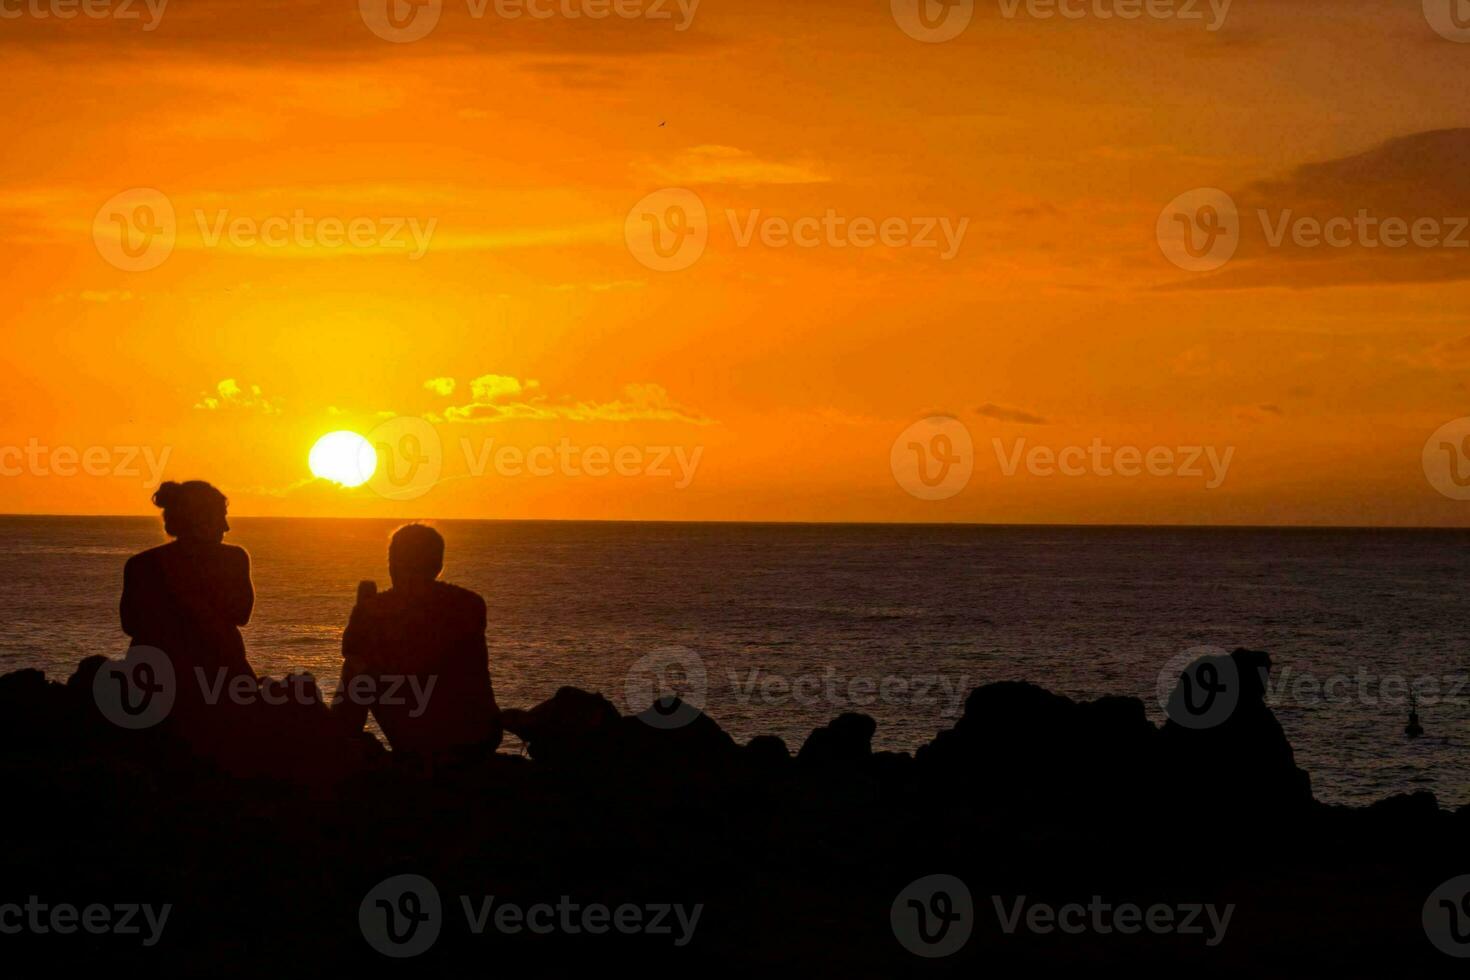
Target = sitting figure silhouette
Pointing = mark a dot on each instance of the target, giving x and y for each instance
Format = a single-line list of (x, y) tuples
[(189, 598), (415, 656)]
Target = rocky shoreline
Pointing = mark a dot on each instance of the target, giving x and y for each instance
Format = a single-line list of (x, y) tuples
[(1060, 834)]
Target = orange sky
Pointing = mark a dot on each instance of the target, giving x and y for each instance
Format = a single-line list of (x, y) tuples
[(780, 375)]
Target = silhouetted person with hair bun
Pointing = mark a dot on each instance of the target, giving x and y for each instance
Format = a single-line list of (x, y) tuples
[(415, 656), (190, 597)]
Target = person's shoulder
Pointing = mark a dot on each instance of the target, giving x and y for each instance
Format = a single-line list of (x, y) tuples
[(461, 599), (235, 553), (147, 559), (459, 594)]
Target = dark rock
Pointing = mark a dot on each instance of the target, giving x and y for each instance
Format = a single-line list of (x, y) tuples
[(1019, 747), (846, 741), (1223, 749), (768, 752)]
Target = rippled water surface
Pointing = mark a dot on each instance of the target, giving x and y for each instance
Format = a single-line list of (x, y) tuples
[(795, 624)]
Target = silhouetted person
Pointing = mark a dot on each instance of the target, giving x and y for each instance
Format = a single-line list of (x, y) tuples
[(190, 597), (415, 655)]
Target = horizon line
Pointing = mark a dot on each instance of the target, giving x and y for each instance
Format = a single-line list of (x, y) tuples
[(793, 523)]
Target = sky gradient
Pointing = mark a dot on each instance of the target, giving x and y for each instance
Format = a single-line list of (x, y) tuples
[(448, 230)]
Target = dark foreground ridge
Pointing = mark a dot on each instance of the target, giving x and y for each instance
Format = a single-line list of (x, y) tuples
[(282, 854)]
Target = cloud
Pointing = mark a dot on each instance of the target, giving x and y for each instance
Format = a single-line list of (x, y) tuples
[(440, 386), (503, 398), (711, 164), (1375, 200), (1000, 414), (230, 395)]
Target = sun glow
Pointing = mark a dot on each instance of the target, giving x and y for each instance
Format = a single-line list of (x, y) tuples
[(343, 457)]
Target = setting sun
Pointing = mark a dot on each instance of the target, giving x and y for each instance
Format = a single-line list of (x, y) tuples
[(343, 457)]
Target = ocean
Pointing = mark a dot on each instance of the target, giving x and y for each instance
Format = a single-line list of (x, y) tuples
[(793, 624)]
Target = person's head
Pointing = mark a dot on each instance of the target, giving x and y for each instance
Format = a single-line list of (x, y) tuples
[(192, 510), (415, 555)]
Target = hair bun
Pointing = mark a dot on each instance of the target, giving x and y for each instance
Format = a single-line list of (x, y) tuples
[(167, 494)]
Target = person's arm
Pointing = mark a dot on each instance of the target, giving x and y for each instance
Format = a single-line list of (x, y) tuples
[(241, 599), (354, 648), (481, 653)]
